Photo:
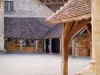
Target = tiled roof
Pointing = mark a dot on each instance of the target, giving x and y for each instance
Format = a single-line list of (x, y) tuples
[(56, 31), (29, 27), (73, 10)]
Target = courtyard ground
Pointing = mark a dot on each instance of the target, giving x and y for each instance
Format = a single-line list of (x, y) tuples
[(38, 64)]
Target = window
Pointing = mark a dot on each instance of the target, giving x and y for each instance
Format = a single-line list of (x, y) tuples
[(9, 6)]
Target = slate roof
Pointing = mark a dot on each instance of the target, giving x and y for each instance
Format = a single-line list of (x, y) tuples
[(73, 10), (30, 27), (56, 31)]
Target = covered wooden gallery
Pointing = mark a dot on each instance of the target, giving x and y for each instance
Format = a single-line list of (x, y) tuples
[(31, 35), (76, 18)]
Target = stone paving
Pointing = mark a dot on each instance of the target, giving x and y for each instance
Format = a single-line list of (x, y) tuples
[(34, 64)]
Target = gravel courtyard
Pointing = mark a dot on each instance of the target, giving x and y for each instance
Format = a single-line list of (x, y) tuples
[(38, 64)]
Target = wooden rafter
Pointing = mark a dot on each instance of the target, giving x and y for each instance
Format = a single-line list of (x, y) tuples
[(63, 0), (89, 29), (48, 2), (68, 31), (79, 26)]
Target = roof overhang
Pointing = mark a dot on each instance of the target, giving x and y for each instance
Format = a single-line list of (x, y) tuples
[(72, 11)]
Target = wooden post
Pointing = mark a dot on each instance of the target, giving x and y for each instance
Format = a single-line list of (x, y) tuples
[(65, 41), (44, 45), (73, 48), (50, 45), (5, 44), (21, 44), (36, 42), (60, 46), (64, 54)]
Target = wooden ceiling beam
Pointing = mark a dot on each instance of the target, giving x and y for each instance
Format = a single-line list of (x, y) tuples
[(63, 1), (54, 3), (48, 2), (74, 28)]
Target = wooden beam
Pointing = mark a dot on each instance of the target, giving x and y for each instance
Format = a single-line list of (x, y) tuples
[(50, 45), (73, 48), (63, 1), (65, 41), (68, 30), (60, 39), (36, 42), (46, 1), (54, 3), (44, 45), (80, 25), (74, 28), (89, 28), (21, 44)]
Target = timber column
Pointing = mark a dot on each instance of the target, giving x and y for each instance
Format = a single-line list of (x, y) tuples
[(60, 39), (21, 44), (96, 33), (50, 45), (44, 45), (37, 41), (2, 25)]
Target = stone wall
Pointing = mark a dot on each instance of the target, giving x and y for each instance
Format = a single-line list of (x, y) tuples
[(96, 33), (1, 25), (28, 8)]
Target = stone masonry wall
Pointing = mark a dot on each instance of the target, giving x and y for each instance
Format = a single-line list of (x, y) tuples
[(30, 8), (1, 26)]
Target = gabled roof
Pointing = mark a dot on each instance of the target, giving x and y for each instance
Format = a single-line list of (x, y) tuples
[(73, 10), (29, 27)]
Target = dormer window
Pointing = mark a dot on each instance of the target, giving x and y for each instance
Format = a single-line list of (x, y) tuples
[(9, 6)]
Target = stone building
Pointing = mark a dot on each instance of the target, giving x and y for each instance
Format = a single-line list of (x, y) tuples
[(26, 29)]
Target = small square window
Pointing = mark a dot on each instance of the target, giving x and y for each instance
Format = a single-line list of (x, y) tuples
[(9, 6)]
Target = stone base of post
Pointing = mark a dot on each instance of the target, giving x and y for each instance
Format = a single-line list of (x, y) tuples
[(89, 69), (36, 42), (50, 53), (44, 51), (36, 52), (50, 45)]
